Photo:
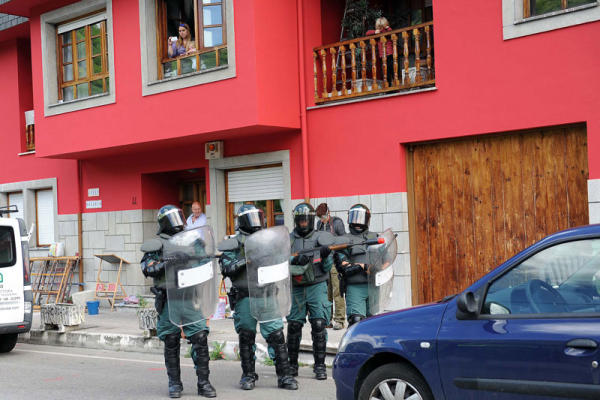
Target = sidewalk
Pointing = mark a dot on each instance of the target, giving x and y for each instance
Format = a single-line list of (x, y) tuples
[(119, 331)]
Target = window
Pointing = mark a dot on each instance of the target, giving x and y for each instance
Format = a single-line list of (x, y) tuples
[(207, 45), (44, 208), (539, 7), (7, 246), (82, 58), (15, 199), (561, 279)]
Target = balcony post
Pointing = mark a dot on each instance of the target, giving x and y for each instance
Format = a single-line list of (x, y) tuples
[(417, 35), (324, 67), (374, 64), (316, 76), (333, 52), (428, 37), (363, 69), (353, 58), (406, 62)]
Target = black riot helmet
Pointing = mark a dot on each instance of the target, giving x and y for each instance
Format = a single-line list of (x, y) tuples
[(358, 218), (250, 218), (304, 212), (170, 220)]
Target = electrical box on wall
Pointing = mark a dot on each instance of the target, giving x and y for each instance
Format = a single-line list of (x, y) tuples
[(213, 150)]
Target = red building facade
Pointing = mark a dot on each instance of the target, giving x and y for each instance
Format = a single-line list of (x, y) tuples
[(483, 141)]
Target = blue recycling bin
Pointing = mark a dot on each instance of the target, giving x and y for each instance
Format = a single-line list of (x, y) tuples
[(93, 307)]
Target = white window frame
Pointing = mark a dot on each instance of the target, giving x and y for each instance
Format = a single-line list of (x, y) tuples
[(49, 23), (514, 25), (150, 83)]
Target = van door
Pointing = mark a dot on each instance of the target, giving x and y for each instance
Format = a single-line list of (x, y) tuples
[(12, 301)]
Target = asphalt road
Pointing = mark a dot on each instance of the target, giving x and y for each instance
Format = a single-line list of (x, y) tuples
[(47, 372)]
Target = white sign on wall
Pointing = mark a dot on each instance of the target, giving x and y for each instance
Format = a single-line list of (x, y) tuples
[(93, 204), (93, 192)]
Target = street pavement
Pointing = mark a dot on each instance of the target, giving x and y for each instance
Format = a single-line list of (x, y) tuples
[(58, 372)]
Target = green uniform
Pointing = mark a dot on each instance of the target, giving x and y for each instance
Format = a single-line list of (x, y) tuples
[(356, 278), (242, 318)]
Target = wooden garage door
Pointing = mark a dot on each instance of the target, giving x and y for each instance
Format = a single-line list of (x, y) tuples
[(479, 201)]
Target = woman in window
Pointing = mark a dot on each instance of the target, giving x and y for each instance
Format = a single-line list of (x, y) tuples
[(184, 44)]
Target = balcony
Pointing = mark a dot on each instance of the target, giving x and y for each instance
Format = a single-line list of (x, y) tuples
[(359, 67)]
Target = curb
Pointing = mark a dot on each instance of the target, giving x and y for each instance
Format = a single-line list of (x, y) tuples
[(138, 343)]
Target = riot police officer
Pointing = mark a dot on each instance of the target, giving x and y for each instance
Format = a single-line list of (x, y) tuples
[(309, 288), (250, 219), (153, 264), (353, 266)]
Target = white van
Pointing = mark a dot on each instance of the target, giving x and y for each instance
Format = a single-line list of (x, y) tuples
[(15, 282)]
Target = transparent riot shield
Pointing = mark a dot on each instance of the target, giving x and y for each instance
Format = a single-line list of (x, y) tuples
[(267, 265), (191, 276), (381, 272)]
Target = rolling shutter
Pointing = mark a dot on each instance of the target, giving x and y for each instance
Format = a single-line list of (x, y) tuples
[(16, 199), (255, 184), (45, 216)]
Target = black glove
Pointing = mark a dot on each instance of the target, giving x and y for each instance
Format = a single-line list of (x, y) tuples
[(301, 259), (353, 269), (230, 268), (159, 299), (325, 251)]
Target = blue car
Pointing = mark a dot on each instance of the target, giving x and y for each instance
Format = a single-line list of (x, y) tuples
[(529, 329)]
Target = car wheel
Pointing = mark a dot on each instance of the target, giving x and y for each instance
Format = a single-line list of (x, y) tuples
[(394, 382), (8, 342)]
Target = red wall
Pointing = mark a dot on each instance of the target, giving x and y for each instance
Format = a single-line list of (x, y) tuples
[(264, 92), (484, 85), (15, 99)]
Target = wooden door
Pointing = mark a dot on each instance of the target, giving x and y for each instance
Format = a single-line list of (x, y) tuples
[(476, 202), (190, 192)]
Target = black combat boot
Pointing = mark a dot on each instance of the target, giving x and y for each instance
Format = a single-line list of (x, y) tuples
[(201, 358), (319, 337), (172, 345), (354, 318), (293, 338), (282, 364), (249, 376)]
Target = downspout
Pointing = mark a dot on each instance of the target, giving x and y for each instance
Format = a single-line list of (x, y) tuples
[(302, 80), (79, 224)]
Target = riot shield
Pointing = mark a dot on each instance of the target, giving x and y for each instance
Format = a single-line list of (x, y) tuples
[(381, 272), (191, 276), (267, 265)]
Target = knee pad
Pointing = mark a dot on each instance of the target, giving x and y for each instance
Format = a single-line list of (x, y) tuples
[(199, 338), (318, 325), (354, 318), (276, 337), (172, 340), (294, 327)]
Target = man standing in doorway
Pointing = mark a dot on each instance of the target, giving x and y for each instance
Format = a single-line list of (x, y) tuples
[(335, 226), (196, 218)]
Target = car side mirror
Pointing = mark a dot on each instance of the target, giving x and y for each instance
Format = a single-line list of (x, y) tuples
[(467, 306)]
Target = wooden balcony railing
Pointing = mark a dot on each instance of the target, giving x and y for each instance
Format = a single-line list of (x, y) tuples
[(29, 131), (359, 67)]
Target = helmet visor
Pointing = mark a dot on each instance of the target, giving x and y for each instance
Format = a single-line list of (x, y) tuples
[(357, 216), (172, 218), (251, 218)]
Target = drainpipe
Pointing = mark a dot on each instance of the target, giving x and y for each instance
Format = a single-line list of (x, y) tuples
[(302, 80), (80, 224)]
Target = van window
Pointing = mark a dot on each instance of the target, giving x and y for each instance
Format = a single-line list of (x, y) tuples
[(7, 246)]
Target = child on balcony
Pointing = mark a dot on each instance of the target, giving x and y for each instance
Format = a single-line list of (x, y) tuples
[(183, 45), (382, 25)]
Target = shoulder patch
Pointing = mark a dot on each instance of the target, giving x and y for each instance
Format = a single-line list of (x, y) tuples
[(151, 245)]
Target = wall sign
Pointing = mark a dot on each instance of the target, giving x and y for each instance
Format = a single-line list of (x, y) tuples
[(93, 204), (93, 192)]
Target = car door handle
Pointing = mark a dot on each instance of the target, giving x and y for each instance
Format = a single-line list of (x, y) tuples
[(582, 344)]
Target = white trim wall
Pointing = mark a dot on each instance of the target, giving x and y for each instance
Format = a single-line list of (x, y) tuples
[(514, 25)]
